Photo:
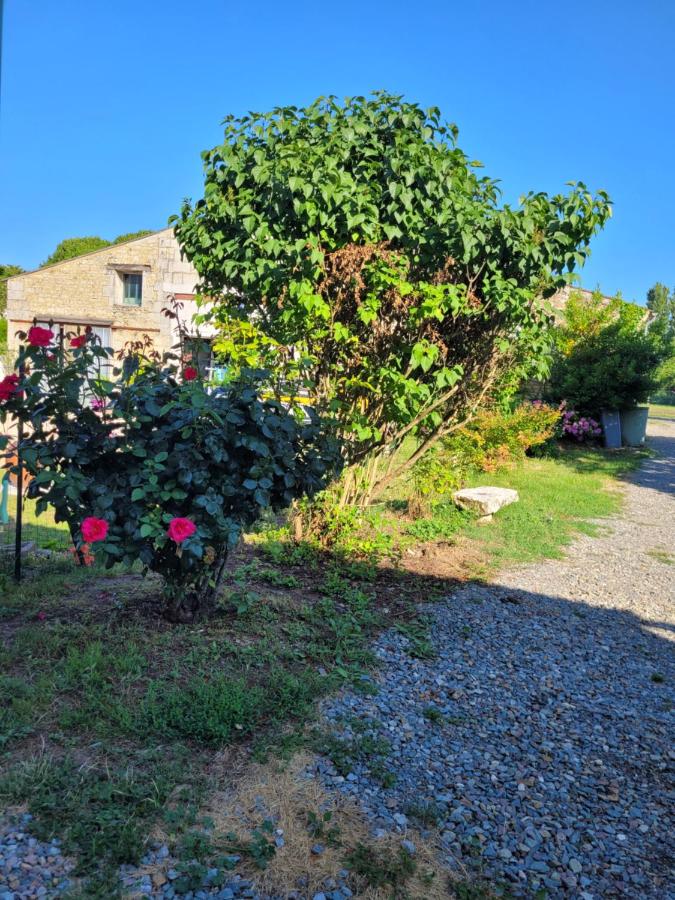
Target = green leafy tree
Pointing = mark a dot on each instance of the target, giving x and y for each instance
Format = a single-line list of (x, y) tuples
[(584, 317), (665, 374), (379, 269), (5, 273), (71, 247), (131, 236), (77, 246), (661, 304)]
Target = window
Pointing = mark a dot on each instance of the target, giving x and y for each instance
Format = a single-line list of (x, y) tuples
[(132, 293)]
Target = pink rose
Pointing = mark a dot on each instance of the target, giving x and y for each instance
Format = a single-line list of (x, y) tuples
[(40, 337), (8, 386), (179, 529), (94, 529)]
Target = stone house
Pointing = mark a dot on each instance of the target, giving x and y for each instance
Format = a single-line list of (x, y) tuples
[(119, 291)]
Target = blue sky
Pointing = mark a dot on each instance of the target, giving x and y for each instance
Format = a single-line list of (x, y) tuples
[(106, 106)]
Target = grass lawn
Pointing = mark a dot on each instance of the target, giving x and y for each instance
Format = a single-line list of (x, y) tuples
[(117, 728), (558, 498), (661, 411), (42, 531)]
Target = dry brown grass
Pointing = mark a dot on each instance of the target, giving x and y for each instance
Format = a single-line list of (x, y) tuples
[(287, 794)]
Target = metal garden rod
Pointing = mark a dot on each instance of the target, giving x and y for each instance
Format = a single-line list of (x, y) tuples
[(19, 496)]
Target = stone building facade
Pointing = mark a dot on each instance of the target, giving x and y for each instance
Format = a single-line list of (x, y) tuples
[(120, 291)]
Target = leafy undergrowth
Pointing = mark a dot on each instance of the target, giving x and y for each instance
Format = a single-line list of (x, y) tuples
[(111, 719)]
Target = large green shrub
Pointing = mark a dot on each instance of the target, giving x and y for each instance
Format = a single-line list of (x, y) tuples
[(358, 249), (613, 369), (665, 374), (150, 465)]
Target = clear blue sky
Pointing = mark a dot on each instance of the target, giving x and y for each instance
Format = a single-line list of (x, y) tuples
[(107, 105)]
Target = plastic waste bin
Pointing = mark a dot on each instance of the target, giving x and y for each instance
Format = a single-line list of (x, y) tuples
[(634, 425), (611, 429)]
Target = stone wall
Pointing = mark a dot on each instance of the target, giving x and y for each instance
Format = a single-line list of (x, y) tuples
[(87, 290)]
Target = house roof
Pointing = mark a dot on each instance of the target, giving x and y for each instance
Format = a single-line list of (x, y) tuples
[(63, 262)]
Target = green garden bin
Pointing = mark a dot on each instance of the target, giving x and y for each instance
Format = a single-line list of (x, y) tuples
[(634, 425)]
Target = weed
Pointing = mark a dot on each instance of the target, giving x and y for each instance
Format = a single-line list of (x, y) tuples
[(445, 523), (259, 848), (320, 827), (662, 556), (243, 601), (195, 845), (382, 868), (427, 813), (101, 814), (419, 643), (364, 748), (278, 579), (433, 715)]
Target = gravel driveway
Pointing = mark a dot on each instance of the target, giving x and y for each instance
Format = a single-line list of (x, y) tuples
[(540, 739)]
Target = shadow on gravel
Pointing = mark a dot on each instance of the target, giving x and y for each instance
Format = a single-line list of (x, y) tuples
[(658, 472), (538, 741)]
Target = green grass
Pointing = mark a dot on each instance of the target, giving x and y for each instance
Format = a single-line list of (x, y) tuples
[(661, 411), (558, 499), (662, 556), (101, 700), (43, 531)]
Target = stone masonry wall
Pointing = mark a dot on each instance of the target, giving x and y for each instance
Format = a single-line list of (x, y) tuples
[(88, 290)]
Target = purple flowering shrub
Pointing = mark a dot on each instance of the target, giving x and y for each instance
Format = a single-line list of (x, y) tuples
[(575, 426)]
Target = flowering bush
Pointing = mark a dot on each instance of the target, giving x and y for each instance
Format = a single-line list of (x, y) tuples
[(577, 427), (151, 466), (492, 440)]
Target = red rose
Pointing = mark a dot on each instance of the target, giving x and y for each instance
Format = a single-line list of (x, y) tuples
[(179, 529), (190, 373), (94, 529), (40, 337), (8, 386), (78, 341)]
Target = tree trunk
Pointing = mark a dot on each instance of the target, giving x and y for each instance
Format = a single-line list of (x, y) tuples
[(194, 602)]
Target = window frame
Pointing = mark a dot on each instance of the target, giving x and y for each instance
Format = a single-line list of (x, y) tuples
[(126, 279)]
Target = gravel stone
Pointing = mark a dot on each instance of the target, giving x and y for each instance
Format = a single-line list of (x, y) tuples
[(30, 868), (550, 765)]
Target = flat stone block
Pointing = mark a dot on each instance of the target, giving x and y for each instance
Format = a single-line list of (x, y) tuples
[(485, 501)]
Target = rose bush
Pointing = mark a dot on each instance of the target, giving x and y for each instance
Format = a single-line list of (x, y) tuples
[(151, 466)]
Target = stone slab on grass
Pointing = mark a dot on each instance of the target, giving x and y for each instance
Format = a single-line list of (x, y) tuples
[(485, 501)]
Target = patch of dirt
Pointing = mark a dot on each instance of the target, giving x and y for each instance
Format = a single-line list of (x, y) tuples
[(455, 562)]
